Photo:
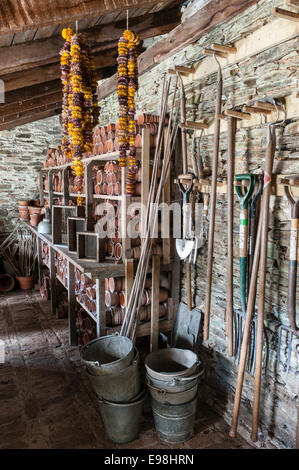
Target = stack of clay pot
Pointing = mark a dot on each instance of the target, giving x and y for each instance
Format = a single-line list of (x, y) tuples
[(105, 139), (85, 291), (86, 327), (108, 179), (45, 253), (45, 285), (115, 300), (35, 213), (62, 303), (54, 157), (23, 210), (61, 268)]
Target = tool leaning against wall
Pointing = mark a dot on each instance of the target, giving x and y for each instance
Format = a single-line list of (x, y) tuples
[(260, 257)]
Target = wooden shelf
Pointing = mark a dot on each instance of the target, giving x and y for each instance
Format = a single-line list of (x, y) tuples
[(86, 310)]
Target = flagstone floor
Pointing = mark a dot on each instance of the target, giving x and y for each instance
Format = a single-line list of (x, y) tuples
[(46, 401)]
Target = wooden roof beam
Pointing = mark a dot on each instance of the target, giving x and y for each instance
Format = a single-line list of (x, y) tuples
[(16, 16), (102, 38), (30, 116), (204, 20)]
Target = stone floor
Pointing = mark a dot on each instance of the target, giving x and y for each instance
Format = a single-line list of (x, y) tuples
[(47, 402)]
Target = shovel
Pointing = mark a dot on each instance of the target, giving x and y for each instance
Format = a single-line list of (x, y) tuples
[(184, 246)]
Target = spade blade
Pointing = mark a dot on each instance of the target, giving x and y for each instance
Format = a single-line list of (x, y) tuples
[(184, 247)]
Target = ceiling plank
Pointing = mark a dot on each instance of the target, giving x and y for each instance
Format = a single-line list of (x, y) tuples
[(16, 16), (211, 15), (28, 119), (47, 73), (28, 105), (12, 118), (38, 53)]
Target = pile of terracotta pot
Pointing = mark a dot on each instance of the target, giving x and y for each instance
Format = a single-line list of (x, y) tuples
[(30, 211), (45, 253), (54, 157), (85, 291), (61, 268), (62, 304), (86, 327), (115, 300), (45, 284), (105, 139)]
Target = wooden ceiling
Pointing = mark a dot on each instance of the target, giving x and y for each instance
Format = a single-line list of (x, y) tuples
[(30, 41)]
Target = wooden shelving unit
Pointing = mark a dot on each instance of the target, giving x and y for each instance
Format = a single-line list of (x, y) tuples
[(99, 271)]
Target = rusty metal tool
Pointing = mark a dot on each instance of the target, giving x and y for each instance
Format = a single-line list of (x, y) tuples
[(213, 201)]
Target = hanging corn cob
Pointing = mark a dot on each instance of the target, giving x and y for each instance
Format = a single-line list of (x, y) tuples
[(80, 110), (127, 85)]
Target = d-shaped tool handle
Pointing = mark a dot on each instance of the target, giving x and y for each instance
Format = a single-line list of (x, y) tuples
[(245, 198)]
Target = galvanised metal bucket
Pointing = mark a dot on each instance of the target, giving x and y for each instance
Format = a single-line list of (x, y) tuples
[(174, 395), (108, 354), (165, 364), (122, 420), (174, 423), (120, 386)]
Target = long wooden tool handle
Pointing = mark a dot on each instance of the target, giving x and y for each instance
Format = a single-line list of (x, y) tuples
[(230, 224), (243, 238), (246, 333), (262, 280), (213, 207), (293, 275)]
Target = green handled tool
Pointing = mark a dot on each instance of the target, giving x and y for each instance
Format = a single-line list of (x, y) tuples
[(243, 238)]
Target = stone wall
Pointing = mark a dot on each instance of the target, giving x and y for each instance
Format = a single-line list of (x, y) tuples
[(22, 153), (273, 71)]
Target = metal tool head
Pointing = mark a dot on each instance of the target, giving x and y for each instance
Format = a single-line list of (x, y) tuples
[(245, 198), (184, 247)]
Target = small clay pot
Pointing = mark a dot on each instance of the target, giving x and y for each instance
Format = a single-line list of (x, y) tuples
[(35, 219), (34, 210), (23, 203), (25, 282), (7, 283)]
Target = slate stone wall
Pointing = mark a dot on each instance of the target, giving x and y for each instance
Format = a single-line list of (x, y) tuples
[(22, 153), (272, 72)]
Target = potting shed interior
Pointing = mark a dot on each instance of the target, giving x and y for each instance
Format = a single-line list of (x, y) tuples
[(149, 189)]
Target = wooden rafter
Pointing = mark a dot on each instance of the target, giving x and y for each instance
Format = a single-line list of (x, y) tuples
[(35, 115), (102, 38), (211, 15), (16, 16)]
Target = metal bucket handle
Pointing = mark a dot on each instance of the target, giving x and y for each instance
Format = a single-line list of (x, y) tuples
[(173, 382), (86, 346)]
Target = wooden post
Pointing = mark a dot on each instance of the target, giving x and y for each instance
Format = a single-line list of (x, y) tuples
[(41, 188), (50, 176), (125, 201), (52, 279), (65, 187), (155, 303), (129, 277), (101, 307), (39, 260), (89, 195), (73, 340)]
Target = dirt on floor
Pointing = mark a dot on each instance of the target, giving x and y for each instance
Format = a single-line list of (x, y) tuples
[(46, 401)]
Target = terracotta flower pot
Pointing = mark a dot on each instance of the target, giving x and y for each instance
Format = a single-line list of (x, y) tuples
[(7, 283), (25, 282), (23, 203), (34, 210), (35, 219)]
